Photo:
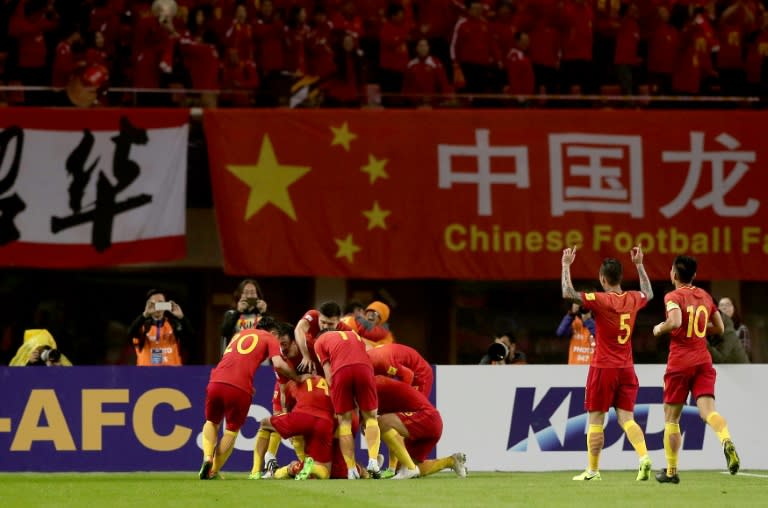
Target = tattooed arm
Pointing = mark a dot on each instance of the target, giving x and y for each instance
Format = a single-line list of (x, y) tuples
[(645, 282), (569, 293)]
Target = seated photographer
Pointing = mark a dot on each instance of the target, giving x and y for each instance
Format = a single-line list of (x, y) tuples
[(579, 326), (39, 349), (158, 331), (504, 351)]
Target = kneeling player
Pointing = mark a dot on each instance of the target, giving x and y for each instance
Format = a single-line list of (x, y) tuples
[(411, 427), (310, 416)]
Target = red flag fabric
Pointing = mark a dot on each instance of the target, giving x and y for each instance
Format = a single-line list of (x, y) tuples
[(491, 194)]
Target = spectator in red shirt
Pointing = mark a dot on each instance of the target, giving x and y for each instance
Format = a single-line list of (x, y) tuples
[(435, 20), (68, 52), (347, 19), (578, 74), (506, 25), (269, 36), (97, 52), (320, 46), (757, 61), (606, 26), (29, 25), (240, 76), (425, 76), (239, 35), (627, 42), (393, 51), (694, 66), (474, 50), (344, 88), (520, 77), (201, 60), (735, 22), (296, 34), (663, 48), (545, 44)]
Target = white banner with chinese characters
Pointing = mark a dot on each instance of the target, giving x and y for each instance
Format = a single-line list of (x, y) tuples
[(489, 194), (532, 418), (92, 188)]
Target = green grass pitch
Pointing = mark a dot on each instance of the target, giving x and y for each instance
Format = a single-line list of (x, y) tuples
[(445, 490)]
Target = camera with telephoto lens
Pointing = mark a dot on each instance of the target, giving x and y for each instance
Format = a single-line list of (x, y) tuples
[(50, 354), (498, 352)]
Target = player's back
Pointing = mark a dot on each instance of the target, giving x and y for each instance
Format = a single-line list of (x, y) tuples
[(245, 352), (614, 315), (688, 343), (311, 396), (398, 397), (341, 348), (412, 359)]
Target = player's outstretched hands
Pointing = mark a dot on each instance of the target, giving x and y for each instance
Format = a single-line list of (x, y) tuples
[(637, 255), (569, 254)]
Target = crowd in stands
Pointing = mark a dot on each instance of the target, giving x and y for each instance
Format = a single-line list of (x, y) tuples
[(335, 49)]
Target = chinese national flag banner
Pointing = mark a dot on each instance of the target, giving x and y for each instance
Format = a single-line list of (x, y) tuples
[(487, 194), (84, 188)]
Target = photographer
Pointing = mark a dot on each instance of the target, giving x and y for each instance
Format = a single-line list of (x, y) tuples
[(504, 351), (249, 307), (157, 332), (579, 326), (727, 348), (39, 350)]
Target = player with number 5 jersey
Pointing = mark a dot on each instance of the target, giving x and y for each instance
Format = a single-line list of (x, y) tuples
[(611, 381), (691, 315)]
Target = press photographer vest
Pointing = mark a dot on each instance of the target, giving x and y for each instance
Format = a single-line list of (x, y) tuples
[(580, 349), (158, 351)]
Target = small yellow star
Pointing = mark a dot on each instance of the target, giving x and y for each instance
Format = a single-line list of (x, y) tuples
[(342, 136), (347, 248), (269, 181), (376, 216), (375, 168)]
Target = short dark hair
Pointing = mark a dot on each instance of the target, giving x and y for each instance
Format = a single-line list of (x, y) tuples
[(156, 291), (352, 306), (501, 333), (286, 329), (330, 309), (267, 323), (612, 270), (685, 268)]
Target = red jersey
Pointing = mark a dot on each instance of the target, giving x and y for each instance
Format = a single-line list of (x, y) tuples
[(313, 318), (341, 349), (426, 76), (245, 352), (615, 316), (398, 360), (310, 397), (397, 397), (688, 344)]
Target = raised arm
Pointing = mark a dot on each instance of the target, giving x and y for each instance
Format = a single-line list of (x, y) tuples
[(645, 282), (569, 292)]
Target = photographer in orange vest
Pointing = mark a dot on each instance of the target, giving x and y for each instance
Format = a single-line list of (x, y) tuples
[(158, 331), (579, 326)]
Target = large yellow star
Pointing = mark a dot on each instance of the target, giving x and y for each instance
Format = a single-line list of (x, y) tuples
[(347, 248), (269, 181), (375, 168), (376, 216), (342, 136)]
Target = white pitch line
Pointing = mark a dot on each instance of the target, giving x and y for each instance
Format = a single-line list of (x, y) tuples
[(747, 474)]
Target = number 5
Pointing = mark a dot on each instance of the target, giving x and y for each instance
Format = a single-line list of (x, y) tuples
[(624, 325)]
